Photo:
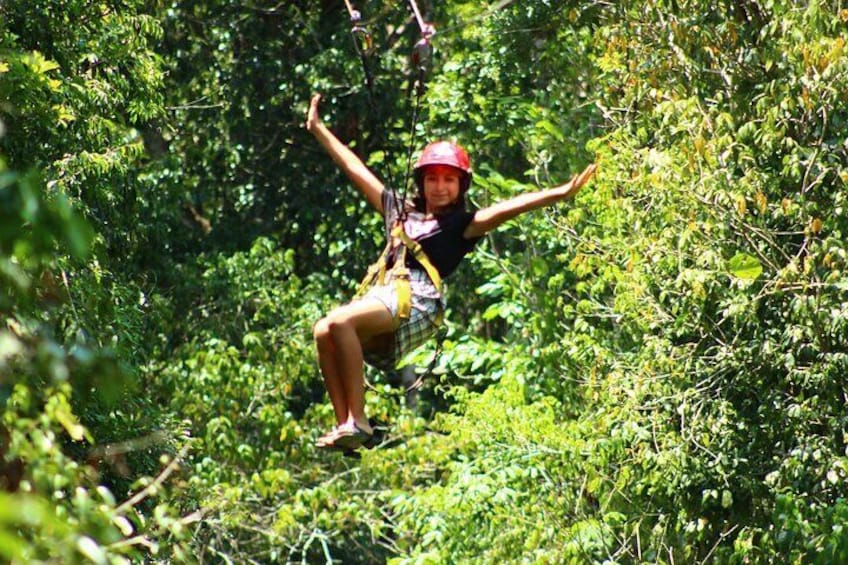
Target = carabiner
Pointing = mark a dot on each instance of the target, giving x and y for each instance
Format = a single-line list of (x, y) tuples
[(422, 52), (362, 40), (361, 36)]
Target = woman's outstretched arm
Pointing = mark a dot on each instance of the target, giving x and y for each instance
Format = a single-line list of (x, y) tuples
[(360, 175), (487, 219)]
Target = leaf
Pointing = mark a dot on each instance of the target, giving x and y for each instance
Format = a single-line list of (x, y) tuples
[(36, 61), (10, 347), (539, 267), (21, 509), (745, 267), (492, 312), (78, 233), (726, 499), (90, 549), (10, 272), (8, 178), (29, 194), (124, 525), (69, 421), (11, 545), (550, 129)]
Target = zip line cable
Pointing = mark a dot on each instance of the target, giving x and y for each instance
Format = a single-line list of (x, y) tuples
[(364, 47), (421, 58), (421, 25), (351, 10)]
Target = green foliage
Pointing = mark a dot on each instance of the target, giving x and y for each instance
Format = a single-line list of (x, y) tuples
[(652, 373), (74, 440), (81, 107), (690, 300), (60, 512)]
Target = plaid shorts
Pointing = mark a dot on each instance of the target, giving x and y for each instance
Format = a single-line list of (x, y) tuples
[(421, 325)]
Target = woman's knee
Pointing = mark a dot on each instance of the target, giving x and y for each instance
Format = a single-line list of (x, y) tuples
[(331, 325), (321, 331), (364, 323), (339, 325)]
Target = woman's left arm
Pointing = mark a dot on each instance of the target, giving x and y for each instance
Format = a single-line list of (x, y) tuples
[(487, 219)]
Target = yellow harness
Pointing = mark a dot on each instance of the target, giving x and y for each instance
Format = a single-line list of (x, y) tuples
[(400, 273)]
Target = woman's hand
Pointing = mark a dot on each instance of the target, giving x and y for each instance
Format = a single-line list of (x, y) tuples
[(489, 218), (350, 163), (313, 118), (574, 185)]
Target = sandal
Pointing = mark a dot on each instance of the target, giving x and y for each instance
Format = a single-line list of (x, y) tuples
[(352, 439), (328, 438)]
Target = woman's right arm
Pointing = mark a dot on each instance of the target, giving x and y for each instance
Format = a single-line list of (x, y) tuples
[(362, 177)]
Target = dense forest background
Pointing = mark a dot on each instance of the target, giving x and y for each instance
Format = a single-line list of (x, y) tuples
[(654, 372)]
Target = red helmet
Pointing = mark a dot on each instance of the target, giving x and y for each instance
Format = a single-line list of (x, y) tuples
[(444, 153)]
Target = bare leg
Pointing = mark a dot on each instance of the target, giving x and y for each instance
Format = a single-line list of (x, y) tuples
[(329, 370), (339, 338)]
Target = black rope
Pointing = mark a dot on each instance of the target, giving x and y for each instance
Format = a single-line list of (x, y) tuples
[(422, 54), (416, 108), (364, 47), (421, 58), (440, 342)]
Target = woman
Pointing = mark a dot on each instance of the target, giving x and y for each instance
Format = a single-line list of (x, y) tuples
[(371, 327)]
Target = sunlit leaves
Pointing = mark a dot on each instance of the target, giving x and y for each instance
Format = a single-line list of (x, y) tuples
[(67, 70), (745, 267), (651, 372)]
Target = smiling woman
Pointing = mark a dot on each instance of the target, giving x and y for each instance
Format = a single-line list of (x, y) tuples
[(400, 303), (441, 187)]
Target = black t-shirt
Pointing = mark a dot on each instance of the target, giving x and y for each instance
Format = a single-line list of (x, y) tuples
[(439, 236)]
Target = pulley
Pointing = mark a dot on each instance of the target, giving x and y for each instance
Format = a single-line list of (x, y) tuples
[(361, 36), (422, 52)]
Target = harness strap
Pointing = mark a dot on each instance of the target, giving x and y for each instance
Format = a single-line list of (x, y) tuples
[(400, 273), (403, 289), (419, 255)]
